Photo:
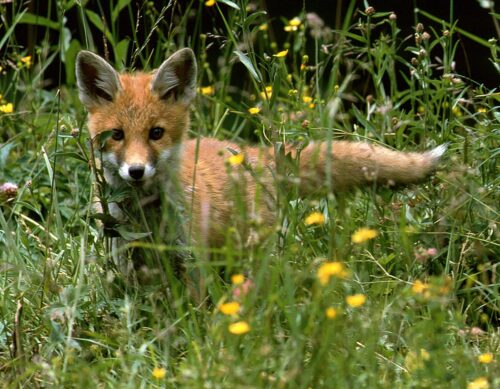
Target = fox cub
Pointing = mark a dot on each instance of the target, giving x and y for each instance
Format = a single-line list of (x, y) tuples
[(146, 119)]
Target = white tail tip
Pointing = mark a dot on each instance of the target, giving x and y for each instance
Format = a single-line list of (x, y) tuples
[(436, 153)]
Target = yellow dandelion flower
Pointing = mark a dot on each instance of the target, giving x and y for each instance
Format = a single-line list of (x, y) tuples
[(315, 218), (230, 308), (237, 279), (254, 110), (7, 108), (363, 234), (331, 313), (207, 90), (307, 99), (239, 328), (267, 93), (281, 54), (312, 105), (485, 358), (356, 300), (236, 159), (479, 383), (330, 269), (210, 3), (159, 373), (419, 287)]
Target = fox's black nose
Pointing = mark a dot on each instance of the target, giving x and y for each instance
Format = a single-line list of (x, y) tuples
[(136, 171)]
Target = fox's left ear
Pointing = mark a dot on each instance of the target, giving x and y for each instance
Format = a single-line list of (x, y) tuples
[(176, 77)]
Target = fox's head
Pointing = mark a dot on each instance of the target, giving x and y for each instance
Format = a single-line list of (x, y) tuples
[(139, 118)]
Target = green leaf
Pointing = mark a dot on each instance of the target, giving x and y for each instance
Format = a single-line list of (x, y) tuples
[(29, 18), (121, 50), (251, 18), (72, 155), (129, 235), (248, 64), (9, 32), (118, 8), (229, 3), (70, 59), (96, 20)]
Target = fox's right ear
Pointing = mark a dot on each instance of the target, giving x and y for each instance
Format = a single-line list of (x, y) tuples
[(97, 81)]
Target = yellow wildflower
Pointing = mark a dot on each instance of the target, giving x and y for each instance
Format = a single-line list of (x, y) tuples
[(230, 308), (356, 300), (307, 99), (331, 313), (210, 3), (479, 383), (363, 234), (254, 110), (267, 93), (281, 54), (293, 25), (207, 90), (485, 358), (482, 110), (26, 60), (330, 269), (159, 373), (315, 218), (236, 159), (239, 328), (7, 108), (419, 287), (237, 279)]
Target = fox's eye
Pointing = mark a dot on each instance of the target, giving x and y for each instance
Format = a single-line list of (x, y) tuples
[(117, 134), (156, 133)]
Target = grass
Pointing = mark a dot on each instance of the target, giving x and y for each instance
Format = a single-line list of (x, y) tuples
[(425, 309)]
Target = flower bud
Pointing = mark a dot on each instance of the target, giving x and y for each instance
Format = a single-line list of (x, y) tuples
[(369, 11)]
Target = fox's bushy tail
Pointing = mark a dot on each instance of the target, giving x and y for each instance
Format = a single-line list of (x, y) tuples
[(354, 164)]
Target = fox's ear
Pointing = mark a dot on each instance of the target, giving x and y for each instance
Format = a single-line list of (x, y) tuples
[(176, 77), (97, 81)]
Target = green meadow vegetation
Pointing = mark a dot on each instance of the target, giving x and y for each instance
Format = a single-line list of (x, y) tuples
[(375, 288)]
